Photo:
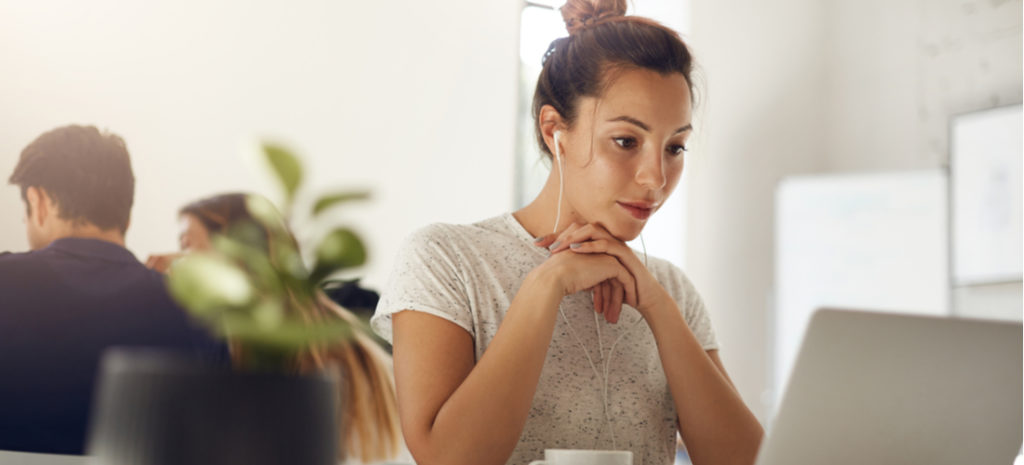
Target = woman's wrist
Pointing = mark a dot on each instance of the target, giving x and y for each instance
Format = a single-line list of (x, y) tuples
[(544, 283), (657, 303)]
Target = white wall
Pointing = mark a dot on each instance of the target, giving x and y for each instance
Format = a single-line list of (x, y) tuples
[(415, 100), (816, 86), (898, 70), (759, 121)]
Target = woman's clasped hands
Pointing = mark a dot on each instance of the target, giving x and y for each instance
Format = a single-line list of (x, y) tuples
[(588, 257)]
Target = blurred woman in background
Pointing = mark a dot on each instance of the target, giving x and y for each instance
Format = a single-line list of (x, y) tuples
[(368, 418)]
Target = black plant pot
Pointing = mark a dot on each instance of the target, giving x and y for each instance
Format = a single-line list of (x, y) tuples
[(157, 408)]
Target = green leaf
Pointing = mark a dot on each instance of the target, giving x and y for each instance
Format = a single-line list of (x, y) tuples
[(268, 314), (284, 254), (341, 248), (330, 200), (255, 261), (286, 166), (266, 214), (249, 233), (207, 284)]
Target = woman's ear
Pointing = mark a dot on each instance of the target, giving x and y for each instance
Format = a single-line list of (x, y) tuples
[(550, 121)]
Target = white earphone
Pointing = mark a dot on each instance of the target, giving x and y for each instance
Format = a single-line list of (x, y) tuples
[(597, 324), (561, 180)]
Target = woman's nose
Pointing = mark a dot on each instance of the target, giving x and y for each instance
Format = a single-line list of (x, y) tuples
[(651, 170)]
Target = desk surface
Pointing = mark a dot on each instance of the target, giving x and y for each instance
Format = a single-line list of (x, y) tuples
[(26, 458)]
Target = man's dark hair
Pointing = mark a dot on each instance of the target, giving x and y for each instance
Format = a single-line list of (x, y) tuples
[(87, 173)]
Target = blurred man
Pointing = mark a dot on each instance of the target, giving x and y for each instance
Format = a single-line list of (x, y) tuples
[(78, 292)]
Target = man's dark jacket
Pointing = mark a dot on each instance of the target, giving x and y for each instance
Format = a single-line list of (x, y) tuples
[(60, 308)]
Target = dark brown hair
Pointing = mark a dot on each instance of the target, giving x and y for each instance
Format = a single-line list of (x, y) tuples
[(219, 211), (602, 39), (88, 174)]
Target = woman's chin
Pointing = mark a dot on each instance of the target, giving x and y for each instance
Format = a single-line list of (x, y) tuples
[(624, 229), (626, 232)]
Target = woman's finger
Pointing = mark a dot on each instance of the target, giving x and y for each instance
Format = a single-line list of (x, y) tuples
[(545, 240), (605, 294), (604, 301), (598, 298), (592, 246), (586, 232), (157, 263), (582, 272), (563, 240), (608, 299), (628, 286), (613, 247), (615, 302)]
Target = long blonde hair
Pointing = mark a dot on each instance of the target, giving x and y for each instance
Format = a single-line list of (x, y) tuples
[(367, 406), (368, 409)]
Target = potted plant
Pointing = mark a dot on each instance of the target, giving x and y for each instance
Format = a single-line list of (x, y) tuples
[(254, 290)]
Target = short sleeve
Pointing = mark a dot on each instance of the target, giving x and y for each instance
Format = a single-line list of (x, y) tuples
[(693, 309), (696, 315), (425, 278)]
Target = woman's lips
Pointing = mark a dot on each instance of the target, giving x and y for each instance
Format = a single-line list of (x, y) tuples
[(640, 211)]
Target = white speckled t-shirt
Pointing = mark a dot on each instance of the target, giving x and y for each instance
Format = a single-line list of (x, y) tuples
[(469, 274)]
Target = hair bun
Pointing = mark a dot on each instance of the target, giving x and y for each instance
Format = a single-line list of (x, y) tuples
[(581, 14)]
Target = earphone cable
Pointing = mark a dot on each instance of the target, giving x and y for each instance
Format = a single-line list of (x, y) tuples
[(561, 182)]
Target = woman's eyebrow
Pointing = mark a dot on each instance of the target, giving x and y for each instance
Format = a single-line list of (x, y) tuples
[(642, 125), (633, 121)]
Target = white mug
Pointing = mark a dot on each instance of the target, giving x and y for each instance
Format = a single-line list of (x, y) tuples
[(585, 457)]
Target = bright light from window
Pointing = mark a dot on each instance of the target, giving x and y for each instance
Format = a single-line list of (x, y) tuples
[(538, 28), (550, 4)]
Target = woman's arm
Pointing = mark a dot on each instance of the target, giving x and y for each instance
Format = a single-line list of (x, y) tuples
[(456, 412), (715, 424)]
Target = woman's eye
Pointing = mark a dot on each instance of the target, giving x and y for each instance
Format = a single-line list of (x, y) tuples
[(676, 149), (625, 142)]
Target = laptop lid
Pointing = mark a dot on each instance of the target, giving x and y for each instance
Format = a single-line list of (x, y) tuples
[(898, 389)]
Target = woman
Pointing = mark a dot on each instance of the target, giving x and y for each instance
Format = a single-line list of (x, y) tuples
[(498, 351), (200, 219), (368, 420)]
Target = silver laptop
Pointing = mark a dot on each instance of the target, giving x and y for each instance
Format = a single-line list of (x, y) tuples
[(872, 388)]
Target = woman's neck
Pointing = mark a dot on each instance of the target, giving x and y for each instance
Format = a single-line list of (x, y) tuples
[(538, 217)]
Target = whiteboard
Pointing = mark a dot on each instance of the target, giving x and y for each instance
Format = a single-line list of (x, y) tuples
[(875, 241), (985, 161)]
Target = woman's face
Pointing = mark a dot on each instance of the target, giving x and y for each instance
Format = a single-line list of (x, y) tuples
[(624, 155), (192, 235)]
